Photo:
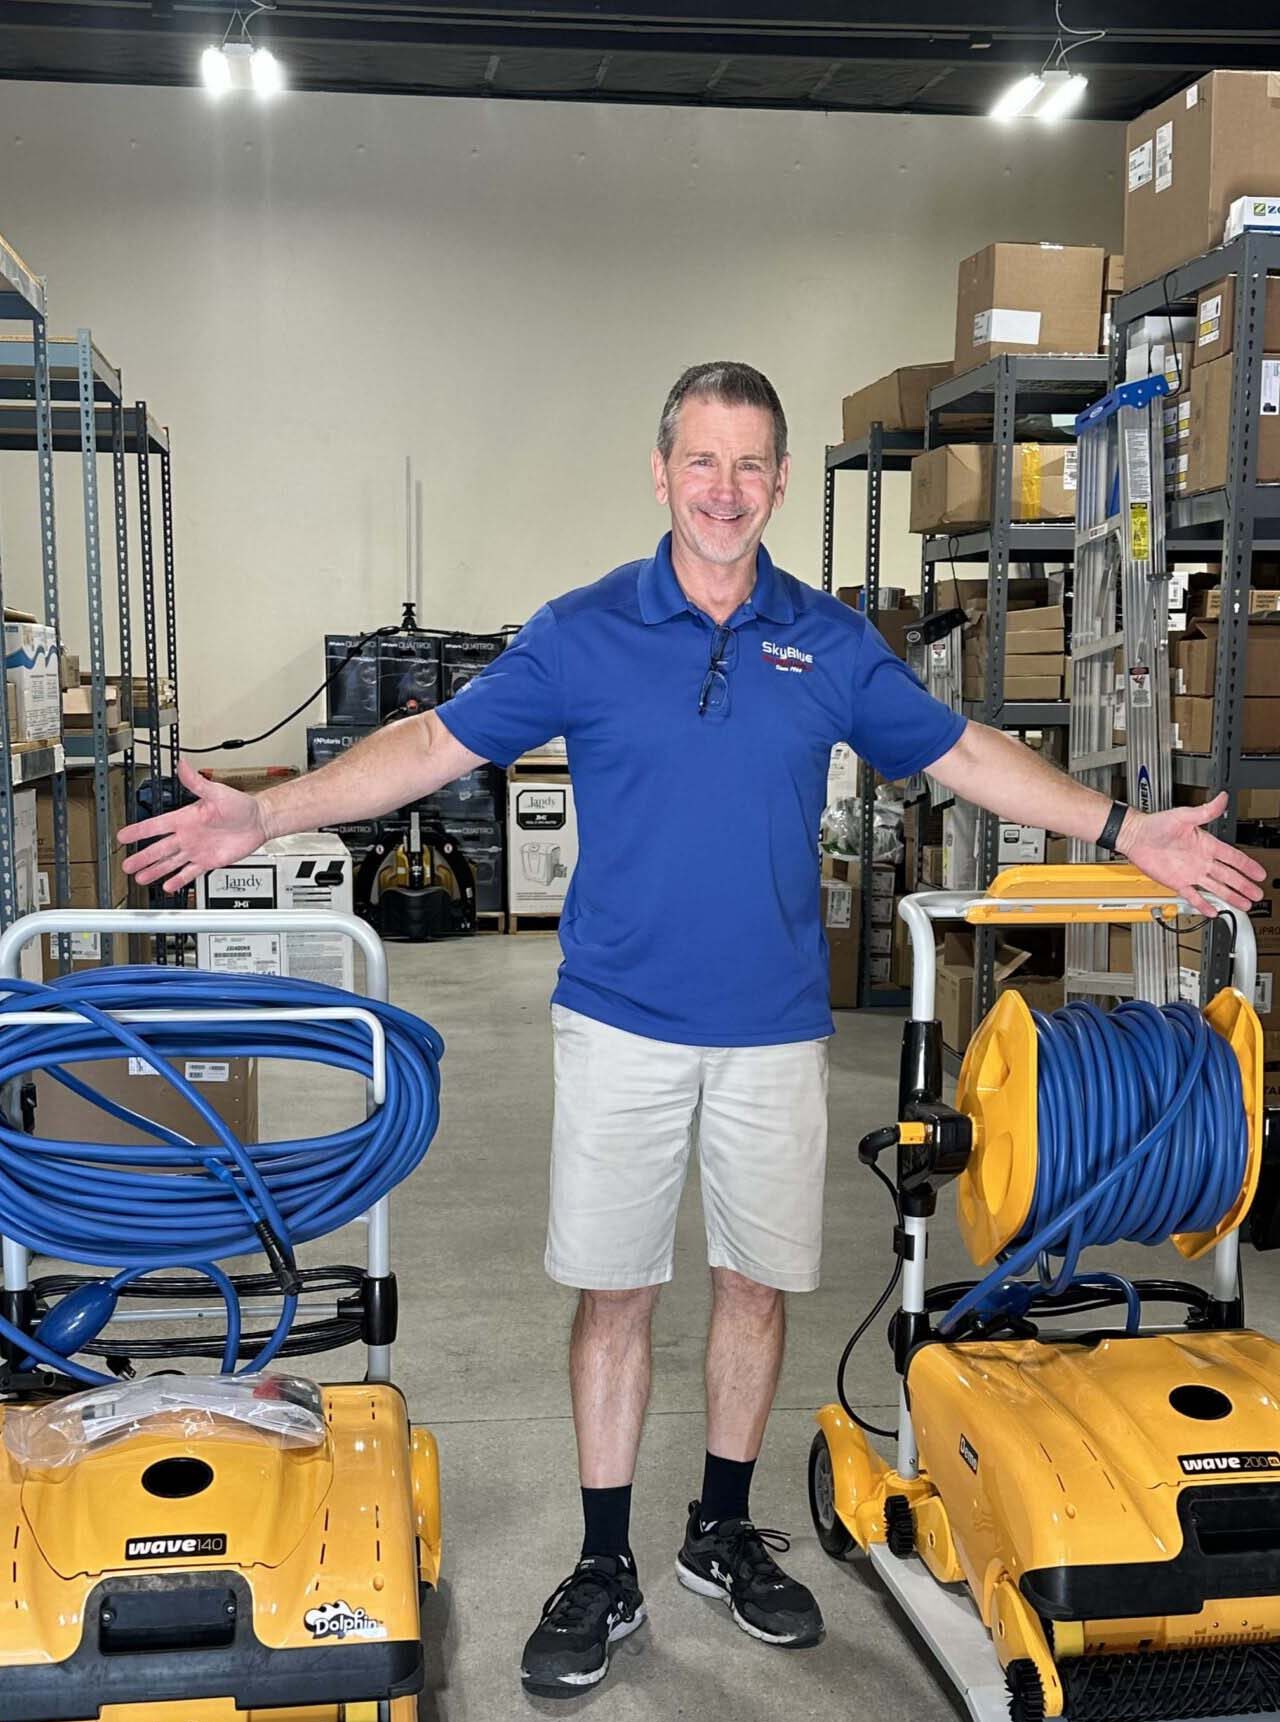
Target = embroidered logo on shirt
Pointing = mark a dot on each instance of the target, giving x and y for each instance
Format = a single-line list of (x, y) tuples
[(786, 657)]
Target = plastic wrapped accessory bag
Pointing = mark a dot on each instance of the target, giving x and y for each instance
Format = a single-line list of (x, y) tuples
[(286, 1410)]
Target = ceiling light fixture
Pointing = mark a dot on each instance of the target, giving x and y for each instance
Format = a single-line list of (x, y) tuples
[(236, 64), (1055, 90)]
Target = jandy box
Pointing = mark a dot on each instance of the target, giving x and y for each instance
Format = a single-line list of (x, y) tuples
[(353, 693), (1028, 299), (463, 656), (408, 673), (542, 844), (951, 486), (899, 401), (1211, 424), (1187, 162), (1216, 319), (309, 870)]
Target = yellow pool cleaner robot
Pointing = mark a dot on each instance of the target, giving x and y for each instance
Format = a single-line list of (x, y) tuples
[(206, 1547), (1081, 1520)]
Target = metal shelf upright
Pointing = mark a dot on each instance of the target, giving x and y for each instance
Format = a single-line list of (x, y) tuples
[(878, 452), (23, 301), (1230, 524), (1010, 390)]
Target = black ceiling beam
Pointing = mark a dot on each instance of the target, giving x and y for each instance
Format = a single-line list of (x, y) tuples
[(195, 25)]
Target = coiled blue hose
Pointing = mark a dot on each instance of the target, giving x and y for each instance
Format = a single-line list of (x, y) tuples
[(1141, 1133), (129, 1207)]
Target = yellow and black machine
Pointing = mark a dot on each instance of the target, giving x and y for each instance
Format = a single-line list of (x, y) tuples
[(232, 1543), (1080, 1521)]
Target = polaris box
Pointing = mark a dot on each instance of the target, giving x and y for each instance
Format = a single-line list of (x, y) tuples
[(353, 693), (475, 795), (310, 870), (328, 742), (408, 673), (463, 656), (542, 844), (482, 845)]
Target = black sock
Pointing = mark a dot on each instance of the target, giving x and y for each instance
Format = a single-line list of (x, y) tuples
[(607, 1519), (726, 1489)]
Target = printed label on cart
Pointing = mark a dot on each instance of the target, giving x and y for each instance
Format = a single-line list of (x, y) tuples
[(170, 1548), (969, 1454), (207, 1070), (340, 1620), (1164, 156), (1140, 160), (1196, 1464), (245, 953), (1070, 468)]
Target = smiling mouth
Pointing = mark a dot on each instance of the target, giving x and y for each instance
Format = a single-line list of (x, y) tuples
[(722, 519)]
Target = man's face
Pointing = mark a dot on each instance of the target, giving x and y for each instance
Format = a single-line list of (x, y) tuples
[(721, 481)]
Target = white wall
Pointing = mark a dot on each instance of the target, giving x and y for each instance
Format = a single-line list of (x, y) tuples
[(503, 291)]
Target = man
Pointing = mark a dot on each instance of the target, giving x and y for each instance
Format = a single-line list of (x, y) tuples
[(700, 692)]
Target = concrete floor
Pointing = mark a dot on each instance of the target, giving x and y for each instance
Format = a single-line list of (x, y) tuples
[(482, 1360)]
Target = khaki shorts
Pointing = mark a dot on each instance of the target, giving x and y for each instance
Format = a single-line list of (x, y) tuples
[(627, 1111)]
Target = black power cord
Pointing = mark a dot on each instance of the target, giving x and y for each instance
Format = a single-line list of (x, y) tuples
[(872, 1313)]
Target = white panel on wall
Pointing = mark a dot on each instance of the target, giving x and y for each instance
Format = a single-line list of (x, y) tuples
[(308, 292)]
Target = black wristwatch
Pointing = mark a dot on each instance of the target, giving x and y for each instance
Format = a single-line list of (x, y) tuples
[(1110, 833)]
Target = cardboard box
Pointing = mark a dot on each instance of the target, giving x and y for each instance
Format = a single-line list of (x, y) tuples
[(229, 1085), (77, 707), (1022, 688), (408, 673), (463, 656), (1019, 845), (252, 779), (953, 994), (1189, 159), (69, 669), (1216, 319), (327, 742), (1211, 424), (1194, 659), (1193, 723), (847, 870), (951, 486), (899, 401), (87, 950), (31, 667), (931, 865), (892, 627), (352, 696), (1113, 273), (1027, 299), (83, 877), (1041, 992), (82, 819), (842, 928), (310, 870), (900, 961), (542, 844)]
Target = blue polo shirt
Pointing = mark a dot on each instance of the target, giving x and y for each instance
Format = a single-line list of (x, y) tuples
[(693, 912)]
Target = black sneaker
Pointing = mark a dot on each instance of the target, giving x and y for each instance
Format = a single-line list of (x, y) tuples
[(731, 1560), (599, 1603)]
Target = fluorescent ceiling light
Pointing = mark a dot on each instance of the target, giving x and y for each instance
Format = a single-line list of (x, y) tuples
[(266, 72), (215, 71), (1018, 97), (1062, 93)]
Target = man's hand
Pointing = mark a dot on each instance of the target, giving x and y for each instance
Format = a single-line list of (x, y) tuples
[(221, 827), (1175, 850)]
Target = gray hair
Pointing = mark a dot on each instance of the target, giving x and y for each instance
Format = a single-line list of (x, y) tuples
[(733, 385)]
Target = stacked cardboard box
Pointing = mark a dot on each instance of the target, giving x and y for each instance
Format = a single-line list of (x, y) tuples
[(1035, 655), (892, 620), (900, 401), (953, 995), (1210, 424), (82, 852), (842, 924), (1189, 159), (951, 487), (1193, 662), (880, 886), (1028, 299), (31, 670), (1112, 288)]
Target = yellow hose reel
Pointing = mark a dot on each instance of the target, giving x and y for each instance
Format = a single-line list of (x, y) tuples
[(998, 1083)]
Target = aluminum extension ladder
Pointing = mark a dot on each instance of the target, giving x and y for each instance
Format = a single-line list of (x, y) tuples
[(1120, 554)]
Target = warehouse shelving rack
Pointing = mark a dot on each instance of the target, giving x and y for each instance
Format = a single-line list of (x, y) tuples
[(1231, 524), (1009, 390), (878, 452), (23, 301)]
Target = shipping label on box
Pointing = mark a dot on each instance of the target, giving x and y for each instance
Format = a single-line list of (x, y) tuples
[(881, 940), (839, 905)]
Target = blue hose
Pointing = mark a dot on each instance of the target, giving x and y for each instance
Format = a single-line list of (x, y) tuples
[(1115, 1090), (129, 1207)]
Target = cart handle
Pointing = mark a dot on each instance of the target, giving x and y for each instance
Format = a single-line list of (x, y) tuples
[(160, 923)]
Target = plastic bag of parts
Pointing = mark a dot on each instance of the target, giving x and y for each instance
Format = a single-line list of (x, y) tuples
[(887, 838), (285, 1410), (840, 821)]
